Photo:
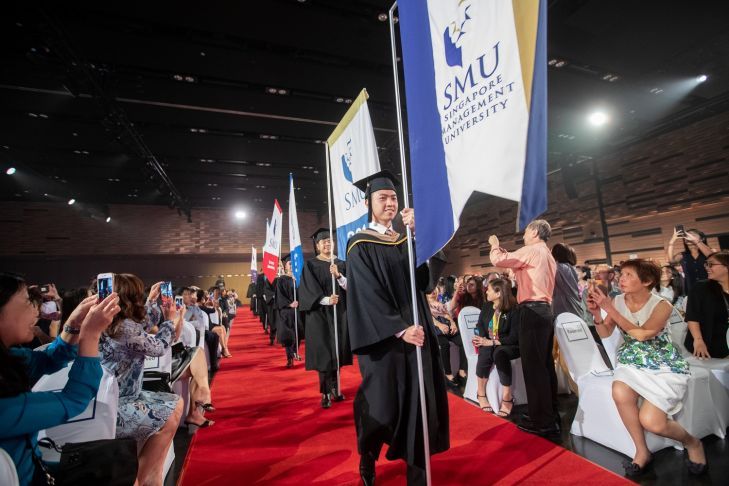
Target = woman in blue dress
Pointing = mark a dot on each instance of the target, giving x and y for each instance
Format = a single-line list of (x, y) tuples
[(149, 417), (23, 413)]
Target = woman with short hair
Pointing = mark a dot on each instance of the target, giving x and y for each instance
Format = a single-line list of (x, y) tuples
[(707, 310), (648, 364)]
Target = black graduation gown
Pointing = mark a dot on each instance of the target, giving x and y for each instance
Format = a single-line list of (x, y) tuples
[(285, 315), (249, 294), (260, 306), (387, 407), (316, 283), (269, 298)]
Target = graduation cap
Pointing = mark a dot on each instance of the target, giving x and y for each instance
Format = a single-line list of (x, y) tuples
[(377, 182), (320, 234)]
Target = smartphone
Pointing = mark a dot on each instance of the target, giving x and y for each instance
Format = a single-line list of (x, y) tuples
[(166, 292), (44, 289), (178, 301), (679, 228), (104, 285)]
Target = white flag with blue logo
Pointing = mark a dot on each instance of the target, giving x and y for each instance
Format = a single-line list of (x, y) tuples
[(353, 156), (297, 253), (254, 264), (476, 87)]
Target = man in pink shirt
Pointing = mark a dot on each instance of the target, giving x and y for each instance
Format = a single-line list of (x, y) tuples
[(534, 269)]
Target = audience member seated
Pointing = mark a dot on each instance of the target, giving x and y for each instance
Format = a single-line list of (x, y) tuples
[(211, 305), (671, 288), (693, 256), (149, 417), (497, 342), (648, 365), (468, 293), (447, 332), (23, 413), (707, 310)]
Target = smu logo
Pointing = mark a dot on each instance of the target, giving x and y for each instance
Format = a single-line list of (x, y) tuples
[(453, 34), (347, 162)]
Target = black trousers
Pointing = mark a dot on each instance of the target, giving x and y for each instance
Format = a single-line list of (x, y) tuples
[(500, 356), (212, 340), (444, 343), (327, 381), (536, 336)]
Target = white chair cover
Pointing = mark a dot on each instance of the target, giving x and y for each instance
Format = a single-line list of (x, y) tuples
[(467, 321), (159, 363), (8, 473), (97, 422), (578, 346)]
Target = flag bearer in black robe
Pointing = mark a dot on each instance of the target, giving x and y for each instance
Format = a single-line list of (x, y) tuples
[(269, 299), (260, 303), (382, 334), (317, 300), (286, 311)]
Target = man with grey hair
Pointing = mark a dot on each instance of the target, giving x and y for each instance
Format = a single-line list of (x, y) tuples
[(534, 269)]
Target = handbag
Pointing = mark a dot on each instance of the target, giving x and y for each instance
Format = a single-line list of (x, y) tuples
[(156, 381), (111, 462), (181, 358)]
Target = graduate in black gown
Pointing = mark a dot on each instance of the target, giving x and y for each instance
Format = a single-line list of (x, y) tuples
[(286, 310), (269, 300), (382, 335), (317, 300), (260, 308)]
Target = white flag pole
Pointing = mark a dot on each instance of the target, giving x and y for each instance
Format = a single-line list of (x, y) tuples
[(334, 286), (413, 291)]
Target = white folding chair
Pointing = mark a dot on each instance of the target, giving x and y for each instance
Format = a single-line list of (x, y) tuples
[(597, 416), (97, 422), (467, 321), (8, 473)]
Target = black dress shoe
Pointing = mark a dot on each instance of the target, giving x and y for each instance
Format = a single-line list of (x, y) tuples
[(367, 469), (289, 363), (552, 432), (337, 397), (326, 402)]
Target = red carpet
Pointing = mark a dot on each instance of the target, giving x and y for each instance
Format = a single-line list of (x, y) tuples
[(270, 429)]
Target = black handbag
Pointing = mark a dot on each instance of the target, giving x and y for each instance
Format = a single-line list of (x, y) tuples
[(111, 462), (156, 381)]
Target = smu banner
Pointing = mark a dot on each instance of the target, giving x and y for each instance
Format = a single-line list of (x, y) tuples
[(297, 254), (272, 248), (476, 86), (353, 156)]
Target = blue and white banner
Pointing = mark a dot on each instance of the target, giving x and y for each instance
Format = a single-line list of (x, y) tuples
[(297, 254), (476, 86), (353, 156)]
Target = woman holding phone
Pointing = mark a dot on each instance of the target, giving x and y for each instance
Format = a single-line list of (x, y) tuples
[(648, 364), (22, 412), (693, 257)]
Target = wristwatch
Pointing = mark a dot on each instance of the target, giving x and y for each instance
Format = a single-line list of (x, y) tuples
[(71, 330)]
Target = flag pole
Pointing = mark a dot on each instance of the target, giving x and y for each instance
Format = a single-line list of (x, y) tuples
[(406, 204), (334, 282)]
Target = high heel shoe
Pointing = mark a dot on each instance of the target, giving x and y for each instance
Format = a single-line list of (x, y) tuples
[(696, 468), (485, 408), (503, 413), (208, 407)]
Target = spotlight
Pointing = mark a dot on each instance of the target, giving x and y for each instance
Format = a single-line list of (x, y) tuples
[(108, 219), (240, 215), (702, 78), (10, 171), (71, 201), (598, 118)]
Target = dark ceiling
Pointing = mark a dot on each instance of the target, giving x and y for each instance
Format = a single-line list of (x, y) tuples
[(150, 102)]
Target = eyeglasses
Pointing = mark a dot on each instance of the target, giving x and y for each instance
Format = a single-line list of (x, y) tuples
[(712, 264)]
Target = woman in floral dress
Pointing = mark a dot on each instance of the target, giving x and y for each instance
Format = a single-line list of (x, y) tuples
[(149, 417), (648, 365)]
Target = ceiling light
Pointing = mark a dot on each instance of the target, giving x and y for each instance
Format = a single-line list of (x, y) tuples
[(348, 101), (32, 115), (613, 78), (340, 100), (382, 17), (10, 171), (552, 62), (190, 79), (240, 215), (271, 90), (559, 64), (108, 219), (701, 78), (598, 118), (202, 53), (283, 91), (71, 201), (177, 77)]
